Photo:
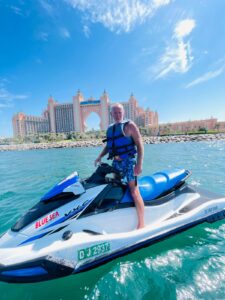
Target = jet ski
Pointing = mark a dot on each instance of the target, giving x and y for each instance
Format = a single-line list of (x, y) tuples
[(83, 223)]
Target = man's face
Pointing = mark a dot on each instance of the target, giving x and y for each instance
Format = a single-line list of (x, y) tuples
[(117, 114)]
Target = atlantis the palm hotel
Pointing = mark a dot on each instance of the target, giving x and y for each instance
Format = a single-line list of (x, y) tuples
[(71, 117)]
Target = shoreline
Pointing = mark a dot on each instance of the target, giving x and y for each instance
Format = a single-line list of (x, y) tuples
[(98, 142)]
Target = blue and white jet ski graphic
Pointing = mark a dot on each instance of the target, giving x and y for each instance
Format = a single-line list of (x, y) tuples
[(81, 224)]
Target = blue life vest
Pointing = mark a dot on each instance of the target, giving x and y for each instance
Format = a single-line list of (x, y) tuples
[(117, 143)]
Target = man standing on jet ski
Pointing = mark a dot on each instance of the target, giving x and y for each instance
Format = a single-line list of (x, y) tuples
[(123, 142)]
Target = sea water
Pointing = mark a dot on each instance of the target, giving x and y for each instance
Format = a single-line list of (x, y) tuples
[(189, 265)]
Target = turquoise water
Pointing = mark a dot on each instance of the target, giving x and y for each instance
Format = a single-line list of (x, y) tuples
[(190, 265)]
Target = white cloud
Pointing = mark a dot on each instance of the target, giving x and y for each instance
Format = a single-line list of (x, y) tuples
[(184, 28), (178, 54), (3, 81), (147, 51), (177, 58), (6, 97), (64, 32), (207, 76), (16, 10), (117, 15), (43, 36), (49, 9), (86, 31), (158, 3), (6, 105)]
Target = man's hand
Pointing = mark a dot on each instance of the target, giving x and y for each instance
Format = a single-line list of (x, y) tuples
[(99, 158), (98, 161), (137, 170)]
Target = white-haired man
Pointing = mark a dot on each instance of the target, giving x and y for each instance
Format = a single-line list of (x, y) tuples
[(123, 143)]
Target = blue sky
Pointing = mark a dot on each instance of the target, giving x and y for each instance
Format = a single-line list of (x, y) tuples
[(169, 53)]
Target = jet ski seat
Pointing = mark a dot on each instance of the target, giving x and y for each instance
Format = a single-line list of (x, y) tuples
[(159, 183)]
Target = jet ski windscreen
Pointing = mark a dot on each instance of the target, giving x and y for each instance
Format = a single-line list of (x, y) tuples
[(42, 208)]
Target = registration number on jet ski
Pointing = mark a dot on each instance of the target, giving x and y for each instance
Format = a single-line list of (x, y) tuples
[(93, 251)]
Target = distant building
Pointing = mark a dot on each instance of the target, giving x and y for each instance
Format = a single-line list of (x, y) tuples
[(60, 116), (24, 125), (220, 126), (183, 127), (142, 117), (69, 117)]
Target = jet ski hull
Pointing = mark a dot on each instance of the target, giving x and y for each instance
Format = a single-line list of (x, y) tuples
[(86, 233)]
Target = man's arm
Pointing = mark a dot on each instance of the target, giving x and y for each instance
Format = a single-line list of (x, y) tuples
[(133, 131), (103, 153)]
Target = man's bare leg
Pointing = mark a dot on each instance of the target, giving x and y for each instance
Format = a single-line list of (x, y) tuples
[(139, 203)]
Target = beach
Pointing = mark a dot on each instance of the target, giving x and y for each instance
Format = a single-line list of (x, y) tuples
[(98, 142)]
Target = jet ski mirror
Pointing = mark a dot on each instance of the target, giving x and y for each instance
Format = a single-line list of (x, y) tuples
[(76, 188)]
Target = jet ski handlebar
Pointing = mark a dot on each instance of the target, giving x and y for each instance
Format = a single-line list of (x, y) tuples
[(100, 175)]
